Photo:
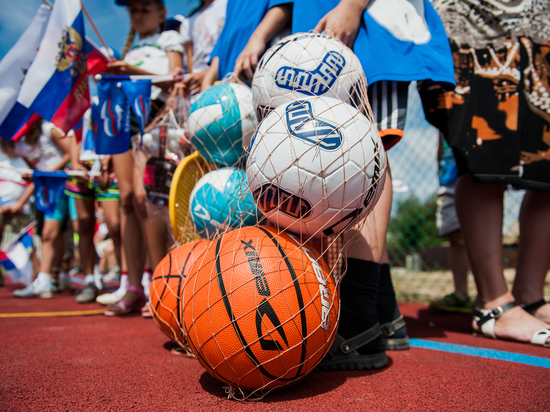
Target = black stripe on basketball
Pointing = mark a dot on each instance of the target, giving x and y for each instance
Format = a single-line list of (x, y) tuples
[(165, 284), (234, 323), (178, 319), (299, 296)]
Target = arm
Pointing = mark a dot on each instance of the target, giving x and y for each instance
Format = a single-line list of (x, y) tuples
[(344, 20), (274, 20), (211, 74), (188, 47), (74, 156), (17, 208), (120, 67), (64, 144), (175, 60)]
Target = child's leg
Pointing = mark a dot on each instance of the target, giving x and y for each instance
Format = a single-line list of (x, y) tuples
[(131, 235), (460, 264), (111, 209), (86, 225), (480, 210), (534, 256), (50, 236)]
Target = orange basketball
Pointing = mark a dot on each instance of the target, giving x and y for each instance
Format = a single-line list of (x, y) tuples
[(166, 287), (259, 310)]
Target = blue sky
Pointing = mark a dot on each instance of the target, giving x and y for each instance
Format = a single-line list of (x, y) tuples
[(112, 21)]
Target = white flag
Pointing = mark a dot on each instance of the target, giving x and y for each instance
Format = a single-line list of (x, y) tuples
[(15, 63)]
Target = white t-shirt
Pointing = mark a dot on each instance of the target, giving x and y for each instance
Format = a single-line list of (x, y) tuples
[(150, 54), (44, 154), (203, 29), (12, 186)]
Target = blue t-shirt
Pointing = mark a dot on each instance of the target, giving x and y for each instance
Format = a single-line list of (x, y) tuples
[(242, 18), (417, 50)]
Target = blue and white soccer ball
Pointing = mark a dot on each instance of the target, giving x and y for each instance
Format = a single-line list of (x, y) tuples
[(219, 121), (220, 201), (304, 65), (316, 166)]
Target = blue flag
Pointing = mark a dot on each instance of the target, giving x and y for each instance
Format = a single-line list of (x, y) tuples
[(111, 119), (48, 188), (138, 94)]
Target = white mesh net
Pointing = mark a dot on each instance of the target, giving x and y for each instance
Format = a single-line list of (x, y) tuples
[(259, 305)]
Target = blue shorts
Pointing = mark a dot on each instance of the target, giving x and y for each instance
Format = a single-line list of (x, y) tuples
[(72, 209), (61, 209)]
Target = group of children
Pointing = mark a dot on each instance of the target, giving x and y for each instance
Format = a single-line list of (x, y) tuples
[(397, 42)]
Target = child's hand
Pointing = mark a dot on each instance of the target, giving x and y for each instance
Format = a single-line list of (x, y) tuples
[(16, 209), (27, 177), (103, 178), (248, 59), (342, 22), (106, 164), (80, 168), (120, 67), (193, 82), (177, 73)]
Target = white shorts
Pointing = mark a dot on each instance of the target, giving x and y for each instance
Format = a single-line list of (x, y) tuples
[(446, 218)]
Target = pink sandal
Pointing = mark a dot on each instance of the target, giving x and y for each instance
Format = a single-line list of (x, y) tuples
[(123, 308)]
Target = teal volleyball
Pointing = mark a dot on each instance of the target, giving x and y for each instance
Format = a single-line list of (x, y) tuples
[(221, 201), (220, 120)]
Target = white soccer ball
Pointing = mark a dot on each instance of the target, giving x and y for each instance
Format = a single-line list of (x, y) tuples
[(221, 118), (304, 65), (316, 166)]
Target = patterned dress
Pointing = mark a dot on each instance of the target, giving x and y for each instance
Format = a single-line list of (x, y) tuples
[(497, 120)]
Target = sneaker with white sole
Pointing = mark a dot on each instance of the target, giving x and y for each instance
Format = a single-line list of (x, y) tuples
[(108, 298), (64, 281), (112, 298), (35, 290), (98, 280), (86, 294)]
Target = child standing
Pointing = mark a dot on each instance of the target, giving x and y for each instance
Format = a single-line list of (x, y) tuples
[(155, 52), (200, 32), (45, 148), (85, 193)]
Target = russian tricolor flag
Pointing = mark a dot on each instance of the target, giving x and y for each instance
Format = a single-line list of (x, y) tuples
[(13, 67), (56, 84), (97, 59), (16, 259)]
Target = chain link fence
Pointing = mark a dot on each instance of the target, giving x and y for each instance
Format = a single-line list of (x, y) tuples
[(418, 256)]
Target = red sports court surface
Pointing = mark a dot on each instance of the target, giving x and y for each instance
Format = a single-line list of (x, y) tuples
[(98, 363)]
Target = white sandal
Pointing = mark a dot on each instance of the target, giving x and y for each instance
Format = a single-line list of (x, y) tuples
[(486, 318)]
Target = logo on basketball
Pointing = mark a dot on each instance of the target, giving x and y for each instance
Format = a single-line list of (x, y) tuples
[(315, 82), (256, 268), (302, 123), (322, 279), (269, 197)]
